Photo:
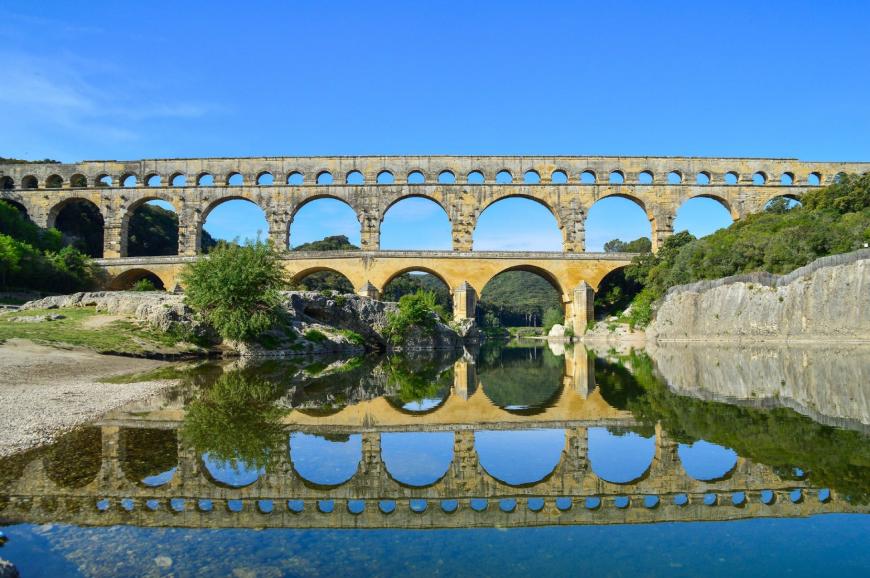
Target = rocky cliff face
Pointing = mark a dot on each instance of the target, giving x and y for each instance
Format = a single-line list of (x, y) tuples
[(828, 299), (828, 384)]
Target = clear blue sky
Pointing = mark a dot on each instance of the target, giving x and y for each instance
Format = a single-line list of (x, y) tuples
[(96, 80)]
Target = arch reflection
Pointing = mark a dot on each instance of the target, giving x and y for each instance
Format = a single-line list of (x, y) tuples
[(619, 456), (520, 457), (417, 458), (326, 460), (706, 461)]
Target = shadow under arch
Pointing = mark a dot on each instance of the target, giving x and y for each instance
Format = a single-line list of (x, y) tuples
[(75, 460), (522, 380), (17, 206), (322, 456), (148, 453), (134, 212), (130, 277), (551, 461), (81, 220), (528, 268)]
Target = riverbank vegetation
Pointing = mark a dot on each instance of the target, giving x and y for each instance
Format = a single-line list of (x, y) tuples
[(831, 220), (86, 327), (236, 290), (40, 259)]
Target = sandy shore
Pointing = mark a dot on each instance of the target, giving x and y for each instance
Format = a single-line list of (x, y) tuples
[(46, 391)]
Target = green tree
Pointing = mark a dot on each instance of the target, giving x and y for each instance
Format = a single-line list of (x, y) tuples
[(236, 289), (327, 280), (420, 309), (552, 317)]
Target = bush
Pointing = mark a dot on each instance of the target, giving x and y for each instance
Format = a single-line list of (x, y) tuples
[(236, 289), (420, 309), (552, 317), (143, 285)]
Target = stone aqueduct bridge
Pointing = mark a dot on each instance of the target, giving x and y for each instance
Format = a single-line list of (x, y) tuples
[(463, 186)]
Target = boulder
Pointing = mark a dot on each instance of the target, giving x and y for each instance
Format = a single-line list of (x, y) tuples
[(557, 331), (8, 569)]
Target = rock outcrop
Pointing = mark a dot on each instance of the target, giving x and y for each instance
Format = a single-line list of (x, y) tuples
[(828, 299), (314, 322)]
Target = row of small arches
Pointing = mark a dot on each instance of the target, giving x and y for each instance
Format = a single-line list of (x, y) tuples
[(737, 499), (385, 177)]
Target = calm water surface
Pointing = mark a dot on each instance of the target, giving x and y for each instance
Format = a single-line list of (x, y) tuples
[(508, 461)]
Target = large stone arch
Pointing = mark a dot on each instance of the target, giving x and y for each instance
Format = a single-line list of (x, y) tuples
[(318, 196), (614, 194), (156, 195), (196, 228), (130, 277), (17, 203), (563, 219), (57, 210), (546, 274), (382, 283)]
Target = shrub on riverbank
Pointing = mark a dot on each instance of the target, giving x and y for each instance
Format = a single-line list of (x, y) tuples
[(834, 219), (236, 289), (420, 309)]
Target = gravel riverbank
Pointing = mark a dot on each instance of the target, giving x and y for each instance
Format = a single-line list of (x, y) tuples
[(46, 391)]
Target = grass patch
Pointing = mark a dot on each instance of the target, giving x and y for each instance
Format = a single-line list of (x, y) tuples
[(122, 336), (353, 336), (315, 336)]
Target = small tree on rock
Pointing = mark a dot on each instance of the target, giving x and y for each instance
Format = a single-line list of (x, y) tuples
[(236, 289)]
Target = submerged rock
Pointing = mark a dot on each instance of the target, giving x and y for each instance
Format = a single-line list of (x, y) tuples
[(8, 569)]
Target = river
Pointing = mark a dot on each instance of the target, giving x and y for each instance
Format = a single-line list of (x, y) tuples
[(513, 460)]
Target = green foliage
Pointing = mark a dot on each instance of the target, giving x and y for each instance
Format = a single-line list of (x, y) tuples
[(236, 289), (781, 438), (416, 380), (408, 283), (353, 336), (518, 298), (420, 309), (35, 258), (832, 220), (143, 285), (153, 231), (641, 245), (235, 421), (81, 224), (552, 317)]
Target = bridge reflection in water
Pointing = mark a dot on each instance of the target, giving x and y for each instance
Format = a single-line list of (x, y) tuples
[(473, 457)]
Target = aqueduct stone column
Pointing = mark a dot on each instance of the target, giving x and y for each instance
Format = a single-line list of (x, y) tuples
[(464, 378), (581, 307), (464, 302)]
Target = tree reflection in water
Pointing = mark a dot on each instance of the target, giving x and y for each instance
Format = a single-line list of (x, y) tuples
[(235, 423)]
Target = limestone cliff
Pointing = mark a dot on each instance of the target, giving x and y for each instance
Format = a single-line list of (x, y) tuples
[(829, 299)]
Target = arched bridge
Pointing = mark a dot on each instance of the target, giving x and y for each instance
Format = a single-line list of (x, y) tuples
[(463, 186)]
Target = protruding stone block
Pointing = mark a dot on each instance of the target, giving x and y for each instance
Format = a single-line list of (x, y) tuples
[(582, 306), (464, 302), (368, 290)]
